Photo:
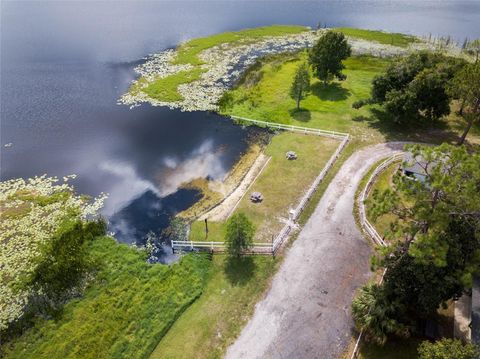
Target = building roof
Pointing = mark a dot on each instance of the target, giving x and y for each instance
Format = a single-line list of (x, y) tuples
[(414, 165)]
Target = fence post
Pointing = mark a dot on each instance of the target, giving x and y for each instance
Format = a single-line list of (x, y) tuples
[(273, 247)]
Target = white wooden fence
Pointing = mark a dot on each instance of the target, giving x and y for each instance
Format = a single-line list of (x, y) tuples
[(367, 226), (271, 248), (364, 222), (306, 130)]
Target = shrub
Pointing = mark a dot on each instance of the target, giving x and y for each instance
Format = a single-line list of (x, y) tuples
[(447, 349)]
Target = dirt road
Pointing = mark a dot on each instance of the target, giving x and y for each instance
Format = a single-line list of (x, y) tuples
[(306, 313)]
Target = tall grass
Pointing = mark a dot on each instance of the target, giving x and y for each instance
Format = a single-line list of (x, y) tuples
[(124, 313)]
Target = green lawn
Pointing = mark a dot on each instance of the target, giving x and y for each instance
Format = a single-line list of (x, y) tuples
[(216, 231), (284, 182), (326, 107), (124, 313), (213, 322), (382, 183), (263, 94), (382, 37)]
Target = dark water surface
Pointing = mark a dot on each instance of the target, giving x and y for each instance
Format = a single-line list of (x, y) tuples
[(64, 64)]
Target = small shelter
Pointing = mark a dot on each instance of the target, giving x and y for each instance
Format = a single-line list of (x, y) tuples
[(414, 167), (256, 197), (290, 155)]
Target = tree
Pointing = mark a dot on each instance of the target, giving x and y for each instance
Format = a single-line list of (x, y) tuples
[(373, 312), (416, 86), (447, 349), (466, 87), (422, 286), (327, 54), (239, 234), (300, 84), (435, 240), (430, 92), (473, 48), (425, 209)]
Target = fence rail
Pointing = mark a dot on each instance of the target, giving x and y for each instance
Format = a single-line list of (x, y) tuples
[(280, 239), (367, 226), (271, 248), (364, 222), (257, 248), (292, 128)]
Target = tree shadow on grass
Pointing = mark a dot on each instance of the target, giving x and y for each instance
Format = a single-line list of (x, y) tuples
[(330, 92), (301, 114), (416, 130), (239, 270)]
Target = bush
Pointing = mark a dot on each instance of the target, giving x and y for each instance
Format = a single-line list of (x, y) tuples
[(447, 349), (374, 313)]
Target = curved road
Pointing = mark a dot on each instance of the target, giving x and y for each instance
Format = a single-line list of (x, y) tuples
[(306, 313)]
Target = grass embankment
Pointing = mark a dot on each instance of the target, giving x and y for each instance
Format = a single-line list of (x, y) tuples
[(166, 88), (213, 322), (124, 312), (282, 184), (387, 38)]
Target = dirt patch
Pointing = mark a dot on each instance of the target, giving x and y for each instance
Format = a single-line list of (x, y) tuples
[(226, 207), (220, 194)]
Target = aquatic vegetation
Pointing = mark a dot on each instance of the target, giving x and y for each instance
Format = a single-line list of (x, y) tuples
[(196, 75), (30, 212)]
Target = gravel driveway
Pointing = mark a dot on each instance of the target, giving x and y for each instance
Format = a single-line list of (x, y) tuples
[(306, 313)]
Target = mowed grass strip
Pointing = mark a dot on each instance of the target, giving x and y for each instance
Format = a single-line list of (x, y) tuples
[(327, 107), (124, 312), (283, 182), (387, 38), (213, 322)]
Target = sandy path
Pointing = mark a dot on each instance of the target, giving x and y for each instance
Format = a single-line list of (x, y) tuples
[(306, 313), (222, 211)]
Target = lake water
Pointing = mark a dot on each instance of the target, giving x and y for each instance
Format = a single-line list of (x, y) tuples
[(64, 65)]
